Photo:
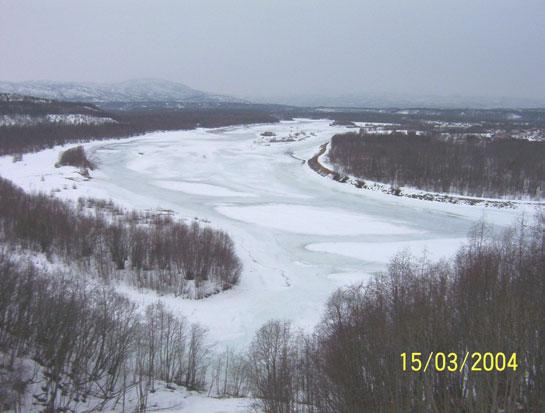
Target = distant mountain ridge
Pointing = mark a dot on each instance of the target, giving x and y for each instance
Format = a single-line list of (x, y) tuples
[(377, 100), (136, 91)]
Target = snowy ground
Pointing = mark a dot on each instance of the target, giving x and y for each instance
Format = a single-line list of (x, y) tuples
[(300, 235)]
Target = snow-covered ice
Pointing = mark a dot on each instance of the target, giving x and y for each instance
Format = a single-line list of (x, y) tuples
[(299, 235), (197, 188), (304, 219), (383, 252)]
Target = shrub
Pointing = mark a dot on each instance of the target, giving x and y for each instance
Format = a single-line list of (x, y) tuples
[(75, 157)]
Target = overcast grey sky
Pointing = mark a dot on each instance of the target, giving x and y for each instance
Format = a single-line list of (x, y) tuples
[(283, 47)]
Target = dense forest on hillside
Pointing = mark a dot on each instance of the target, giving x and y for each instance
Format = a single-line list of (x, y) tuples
[(468, 166)]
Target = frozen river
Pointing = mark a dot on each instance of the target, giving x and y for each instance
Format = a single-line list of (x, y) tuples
[(299, 235)]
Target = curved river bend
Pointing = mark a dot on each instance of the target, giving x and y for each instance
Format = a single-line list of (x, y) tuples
[(300, 236)]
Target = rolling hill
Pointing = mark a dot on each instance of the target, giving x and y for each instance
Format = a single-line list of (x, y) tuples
[(139, 92)]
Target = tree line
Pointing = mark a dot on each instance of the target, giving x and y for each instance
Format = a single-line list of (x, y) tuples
[(154, 252), (468, 166)]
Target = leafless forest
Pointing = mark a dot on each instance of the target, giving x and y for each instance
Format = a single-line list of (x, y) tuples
[(468, 166), (154, 252), (88, 342)]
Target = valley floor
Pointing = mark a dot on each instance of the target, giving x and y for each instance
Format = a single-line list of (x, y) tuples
[(300, 236)]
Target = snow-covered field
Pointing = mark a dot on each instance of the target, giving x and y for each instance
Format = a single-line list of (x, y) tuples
[(300, 235)]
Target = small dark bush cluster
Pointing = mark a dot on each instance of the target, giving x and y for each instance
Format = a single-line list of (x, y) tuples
[(469, 166), (75, 157)]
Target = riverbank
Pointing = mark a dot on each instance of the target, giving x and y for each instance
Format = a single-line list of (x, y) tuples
[(317, 165)]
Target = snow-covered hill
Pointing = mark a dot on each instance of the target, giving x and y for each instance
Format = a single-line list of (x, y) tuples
[(140, 90)]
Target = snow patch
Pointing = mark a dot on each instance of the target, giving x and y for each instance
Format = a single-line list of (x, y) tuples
[(304, 219), (383, 252), (197, 188)]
